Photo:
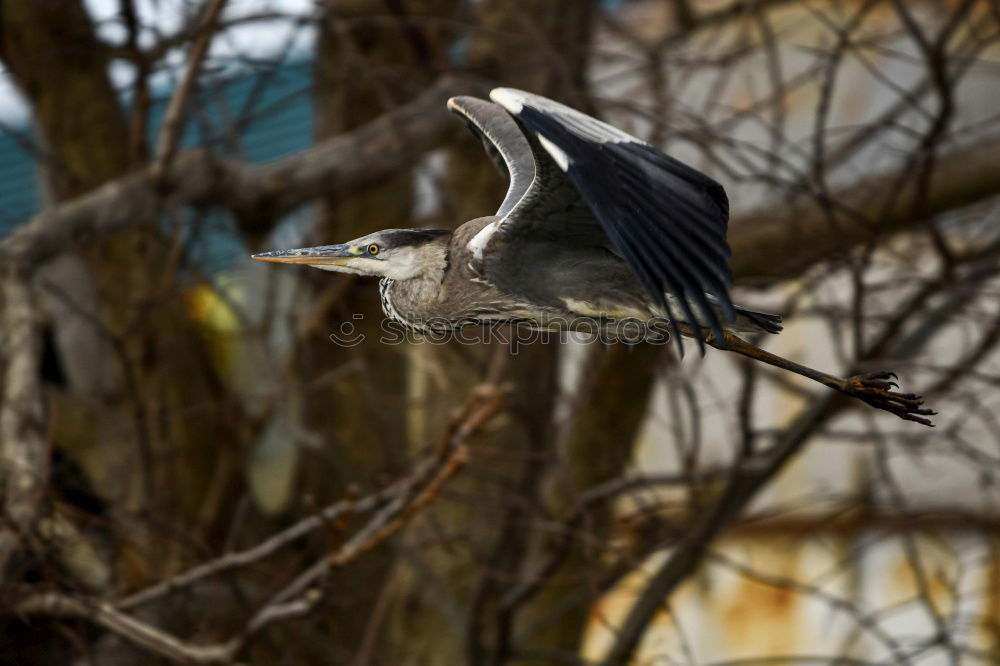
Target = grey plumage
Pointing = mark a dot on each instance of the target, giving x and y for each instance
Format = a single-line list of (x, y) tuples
[(596, 226)]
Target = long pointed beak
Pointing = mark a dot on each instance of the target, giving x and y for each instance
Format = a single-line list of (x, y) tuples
[(322, 254)]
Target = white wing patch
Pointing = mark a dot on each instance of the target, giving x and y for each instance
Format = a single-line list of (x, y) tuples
[(482, 238), (557, 153), (508, 98), (588, 309), (579, 123)]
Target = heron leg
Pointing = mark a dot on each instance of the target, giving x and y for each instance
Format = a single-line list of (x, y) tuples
[(873, 388)]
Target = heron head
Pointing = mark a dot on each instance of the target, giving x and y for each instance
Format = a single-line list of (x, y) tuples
[(400, 254)]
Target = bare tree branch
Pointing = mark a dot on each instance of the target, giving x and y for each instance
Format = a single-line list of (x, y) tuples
[(294, 601), (273, 544), (402, 501), (748, 477), (23, 451), (689, 552), (259, 194), (769, 243), (173, 121)]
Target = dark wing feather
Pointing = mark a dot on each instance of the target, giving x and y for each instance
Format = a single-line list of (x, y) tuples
[(667, 220)]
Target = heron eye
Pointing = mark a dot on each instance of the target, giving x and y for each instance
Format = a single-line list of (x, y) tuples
[(373, 249)]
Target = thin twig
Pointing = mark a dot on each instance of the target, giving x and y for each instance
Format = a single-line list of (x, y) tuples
[(173, 123), (405, 500)]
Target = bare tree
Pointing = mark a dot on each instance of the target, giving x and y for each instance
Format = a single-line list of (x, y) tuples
[(193, 470)]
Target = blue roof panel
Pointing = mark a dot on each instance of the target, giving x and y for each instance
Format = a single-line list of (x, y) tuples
[(256, 115), (18, 190)]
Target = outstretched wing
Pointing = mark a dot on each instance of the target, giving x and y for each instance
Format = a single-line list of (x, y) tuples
[(666, 219), (504, 142)]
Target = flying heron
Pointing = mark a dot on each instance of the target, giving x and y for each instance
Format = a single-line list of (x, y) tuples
[(596, 226)]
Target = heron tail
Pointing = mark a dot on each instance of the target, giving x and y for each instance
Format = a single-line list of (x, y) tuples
[(757, 321)]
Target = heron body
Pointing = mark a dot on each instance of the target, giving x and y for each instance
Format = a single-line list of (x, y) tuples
[(452, 293), (597, 228)]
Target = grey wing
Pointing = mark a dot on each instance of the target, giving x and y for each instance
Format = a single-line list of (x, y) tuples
[(538, 196), (504, 142), (667, 220)]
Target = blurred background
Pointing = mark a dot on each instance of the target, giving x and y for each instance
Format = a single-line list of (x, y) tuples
[(194, 471)]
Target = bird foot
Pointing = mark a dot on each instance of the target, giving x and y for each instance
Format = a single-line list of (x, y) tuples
[(876, 389)]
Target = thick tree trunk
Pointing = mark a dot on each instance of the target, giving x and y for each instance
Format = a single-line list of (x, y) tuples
[(59, 64)]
